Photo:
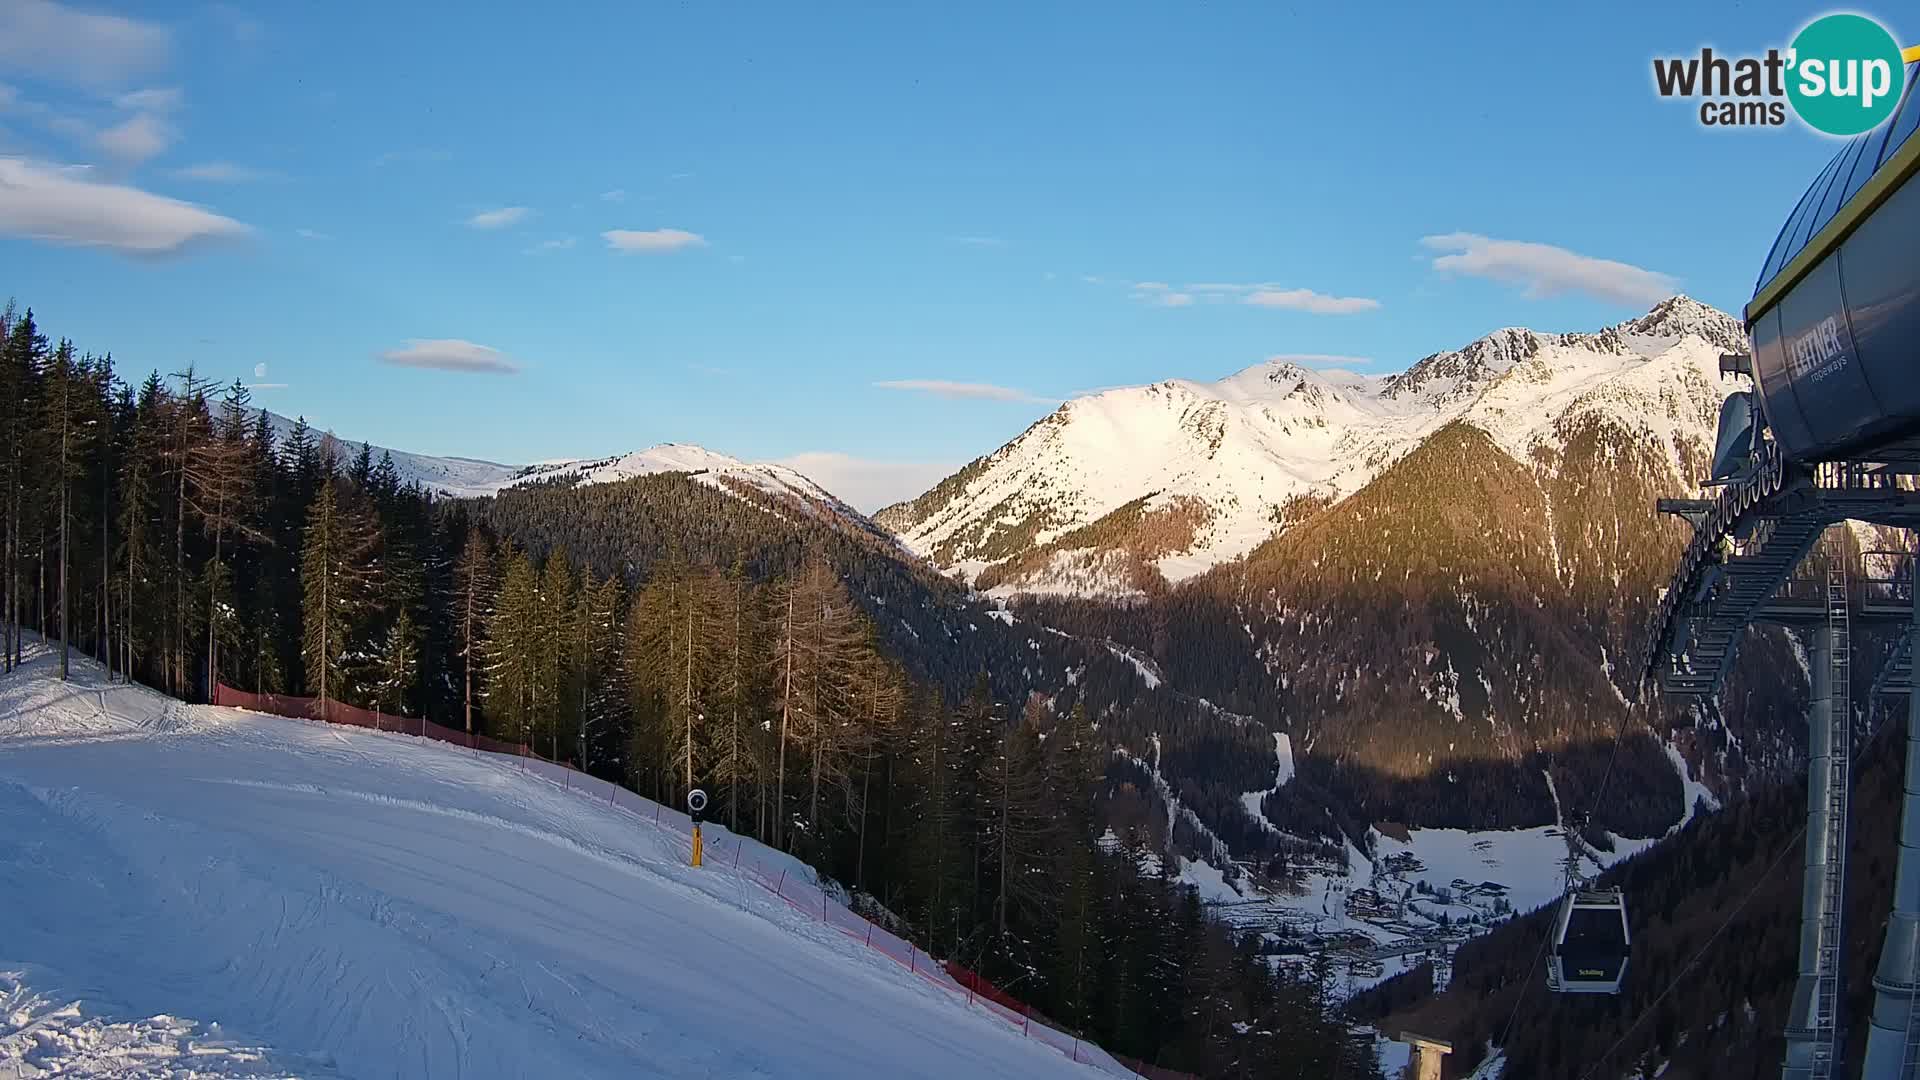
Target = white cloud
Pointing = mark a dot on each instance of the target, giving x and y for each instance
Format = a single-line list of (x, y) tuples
[(267, 385), (867, 484), (958, 391), (259, 371), (164, 99), (1266, 295), (66, 206), (137, 139), (418, 155), (648, 241), (1160, 294), (451, 354), (1323, 361), (561, 243), (311, 234), (616, 195), (59, 43), (221, 172), (1544, 270), (498, 219), (246, 30), (1312, 302)]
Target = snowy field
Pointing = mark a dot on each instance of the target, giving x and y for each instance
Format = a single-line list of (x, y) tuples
[(188, 891)]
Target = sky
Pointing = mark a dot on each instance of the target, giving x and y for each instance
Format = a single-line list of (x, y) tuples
[(873, 245)]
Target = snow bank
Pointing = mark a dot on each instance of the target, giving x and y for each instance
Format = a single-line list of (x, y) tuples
[(370, 904)]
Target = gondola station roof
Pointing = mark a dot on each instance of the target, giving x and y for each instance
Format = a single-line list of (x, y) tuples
[(1835, 317), (1829, 199)]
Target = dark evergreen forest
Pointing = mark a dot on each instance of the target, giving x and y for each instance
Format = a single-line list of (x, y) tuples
[(837, 700)]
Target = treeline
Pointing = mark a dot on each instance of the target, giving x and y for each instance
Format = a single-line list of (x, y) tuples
[(171, 532)]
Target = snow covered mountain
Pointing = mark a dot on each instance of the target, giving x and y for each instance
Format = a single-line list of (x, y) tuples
[(1121, 492), (463, 477)]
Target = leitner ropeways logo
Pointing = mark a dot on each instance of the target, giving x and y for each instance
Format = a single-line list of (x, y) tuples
[(1842, 75)]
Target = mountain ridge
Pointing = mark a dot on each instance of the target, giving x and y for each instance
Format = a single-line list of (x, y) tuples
[(1225, 460)]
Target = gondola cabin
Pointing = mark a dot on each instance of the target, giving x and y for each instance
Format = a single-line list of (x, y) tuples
[(1590, 943)]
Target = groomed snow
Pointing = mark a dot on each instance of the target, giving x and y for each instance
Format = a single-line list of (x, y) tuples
[(351, 902)]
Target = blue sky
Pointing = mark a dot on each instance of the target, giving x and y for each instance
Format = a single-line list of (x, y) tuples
[(876, 244)]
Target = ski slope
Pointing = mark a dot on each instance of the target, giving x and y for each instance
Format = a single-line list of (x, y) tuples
[(187, 890)]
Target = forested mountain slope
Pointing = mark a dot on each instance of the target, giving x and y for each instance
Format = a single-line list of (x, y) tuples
[(1725, 890)]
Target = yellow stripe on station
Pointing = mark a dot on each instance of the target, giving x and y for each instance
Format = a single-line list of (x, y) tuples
[(1911, 56)]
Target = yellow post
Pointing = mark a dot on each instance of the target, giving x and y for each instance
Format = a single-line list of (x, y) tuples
[(696, 843)]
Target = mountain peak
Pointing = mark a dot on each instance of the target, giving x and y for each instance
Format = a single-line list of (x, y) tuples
[(1680, 315)]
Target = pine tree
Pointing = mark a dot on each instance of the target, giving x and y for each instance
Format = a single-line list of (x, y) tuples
[(734, 762), (399, 665), (513, 645), (219, 484), (339, 576), (603, 694), (1018, 825), (68, 427), (474, 586), (555, 701), (25, 356)]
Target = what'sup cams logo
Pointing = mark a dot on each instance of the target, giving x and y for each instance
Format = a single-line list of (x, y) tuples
[(1842, 75)]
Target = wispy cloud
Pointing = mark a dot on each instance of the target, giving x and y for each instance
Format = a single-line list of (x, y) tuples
[(266, 385), (498, 219), (867, 484), (1323, 361), (66, 206), (414, 156), (616, 195), (138, 138), (1543, 270), (1265, 295), (651, 241), (244, 28), (680, 176), (451, 354), (64, 45), (223, 172), (559, 243), (156, 99), (958, 391), (1312, 302), (311, 234), (1161, 294)]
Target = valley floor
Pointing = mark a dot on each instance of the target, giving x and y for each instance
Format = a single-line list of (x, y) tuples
[(340, 902)]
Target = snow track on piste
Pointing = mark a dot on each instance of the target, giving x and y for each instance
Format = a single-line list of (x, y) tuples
[(322, 901)]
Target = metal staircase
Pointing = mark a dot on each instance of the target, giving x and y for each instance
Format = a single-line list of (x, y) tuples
[(1826, 1016)]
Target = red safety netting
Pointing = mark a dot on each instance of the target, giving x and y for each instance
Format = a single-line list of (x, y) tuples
[(769, 870)]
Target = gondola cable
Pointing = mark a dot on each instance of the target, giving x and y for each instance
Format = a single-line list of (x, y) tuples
[(1674, 983), (1619, 736), (1854, 760)]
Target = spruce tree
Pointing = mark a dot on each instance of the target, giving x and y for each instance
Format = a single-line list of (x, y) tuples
[(474, 585), (339, 577)]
